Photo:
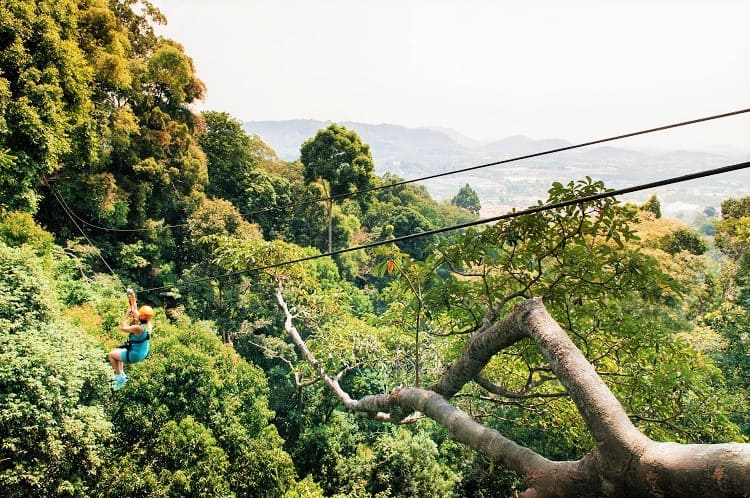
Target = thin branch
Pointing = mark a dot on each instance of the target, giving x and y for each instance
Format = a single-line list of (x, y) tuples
[(524, 393)]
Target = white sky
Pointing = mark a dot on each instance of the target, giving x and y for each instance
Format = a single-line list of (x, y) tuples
[(573, 69)]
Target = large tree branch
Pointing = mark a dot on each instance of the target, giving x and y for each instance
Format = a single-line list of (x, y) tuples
[(401, 402), (601, 410), (466, 430), (479, 351), (624, 462)]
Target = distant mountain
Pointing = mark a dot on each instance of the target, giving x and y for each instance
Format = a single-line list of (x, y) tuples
[(418, 152), (285, 137), (456, 136), (388, 143), (519, 145)]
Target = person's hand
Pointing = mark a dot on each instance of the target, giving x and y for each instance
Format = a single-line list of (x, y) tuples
[(129, 291)]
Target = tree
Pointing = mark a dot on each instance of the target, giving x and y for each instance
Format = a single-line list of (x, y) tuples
[(205, 295), (94, 113), (684, 240), (194, 420), (337, 157), (55, 432), (267, 201), (46, 111), (403, 221), (468, 199), (653, 206), (25, 296), (732, 322), (624, 462), (230, 156), (733, 239), (415, 277), (586, 261)]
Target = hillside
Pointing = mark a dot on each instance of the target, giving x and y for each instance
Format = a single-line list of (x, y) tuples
[(418, 152)]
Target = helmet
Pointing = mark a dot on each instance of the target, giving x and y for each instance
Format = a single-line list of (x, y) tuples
[(146, 313)]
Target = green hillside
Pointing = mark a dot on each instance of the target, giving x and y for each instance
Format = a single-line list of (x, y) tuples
[(292, 297)]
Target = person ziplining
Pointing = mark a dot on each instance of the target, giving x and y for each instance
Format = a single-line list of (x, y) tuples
[(137, 323)]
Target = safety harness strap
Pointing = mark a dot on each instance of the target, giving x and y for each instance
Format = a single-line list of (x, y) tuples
[(133, 341)]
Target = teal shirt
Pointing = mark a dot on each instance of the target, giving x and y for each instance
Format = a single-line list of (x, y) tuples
[(139, 349)]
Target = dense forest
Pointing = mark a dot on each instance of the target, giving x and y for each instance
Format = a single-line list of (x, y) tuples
[(595, 349)]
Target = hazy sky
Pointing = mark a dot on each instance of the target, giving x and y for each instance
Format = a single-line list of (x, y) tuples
[(573, 69)]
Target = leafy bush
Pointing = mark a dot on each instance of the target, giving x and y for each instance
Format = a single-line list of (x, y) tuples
[(25, 296), (55, 432)]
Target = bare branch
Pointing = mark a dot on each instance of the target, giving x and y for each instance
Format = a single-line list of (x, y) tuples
[(332, 383), (524, 393)]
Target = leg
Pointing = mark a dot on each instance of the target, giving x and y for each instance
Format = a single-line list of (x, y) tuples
[(115, 359)]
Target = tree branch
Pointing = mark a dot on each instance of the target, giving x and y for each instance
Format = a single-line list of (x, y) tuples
[(624, 462), (479, 351), (602, 412), (524, 393)]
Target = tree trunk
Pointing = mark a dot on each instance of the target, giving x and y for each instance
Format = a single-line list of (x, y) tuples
[(623, 463), (330, 224)]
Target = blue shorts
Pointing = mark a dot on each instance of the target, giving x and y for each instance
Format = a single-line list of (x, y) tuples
[(133, 357)]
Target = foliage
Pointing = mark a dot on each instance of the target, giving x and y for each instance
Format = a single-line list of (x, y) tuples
[(205, 292), (733, 239), (267, 200), (652, 205), (45, 103), (408, 209), (400, 463), (193, 420), (194, 396), (55, 431), (405, 221), (338, 156), (94, 115), (342, 164), (596, 275), (733, 357), (306, 488), (350, 460), (732, 233), (229, 151), (105, 118), (215, 218), (684, 240), (468, 199), (19, 228), (53, 424), (25, 291), (186, 461)]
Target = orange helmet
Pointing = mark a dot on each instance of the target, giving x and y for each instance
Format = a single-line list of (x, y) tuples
[(146, 313)]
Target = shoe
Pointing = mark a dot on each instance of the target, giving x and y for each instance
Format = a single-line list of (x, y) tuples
[(119, 382)]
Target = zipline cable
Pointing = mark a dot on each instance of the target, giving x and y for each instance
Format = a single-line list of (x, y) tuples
[(547, 152), (456, 171), (513, 214), (60, 200)]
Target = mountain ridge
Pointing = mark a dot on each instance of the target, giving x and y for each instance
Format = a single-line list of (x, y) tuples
[(425, 151)]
